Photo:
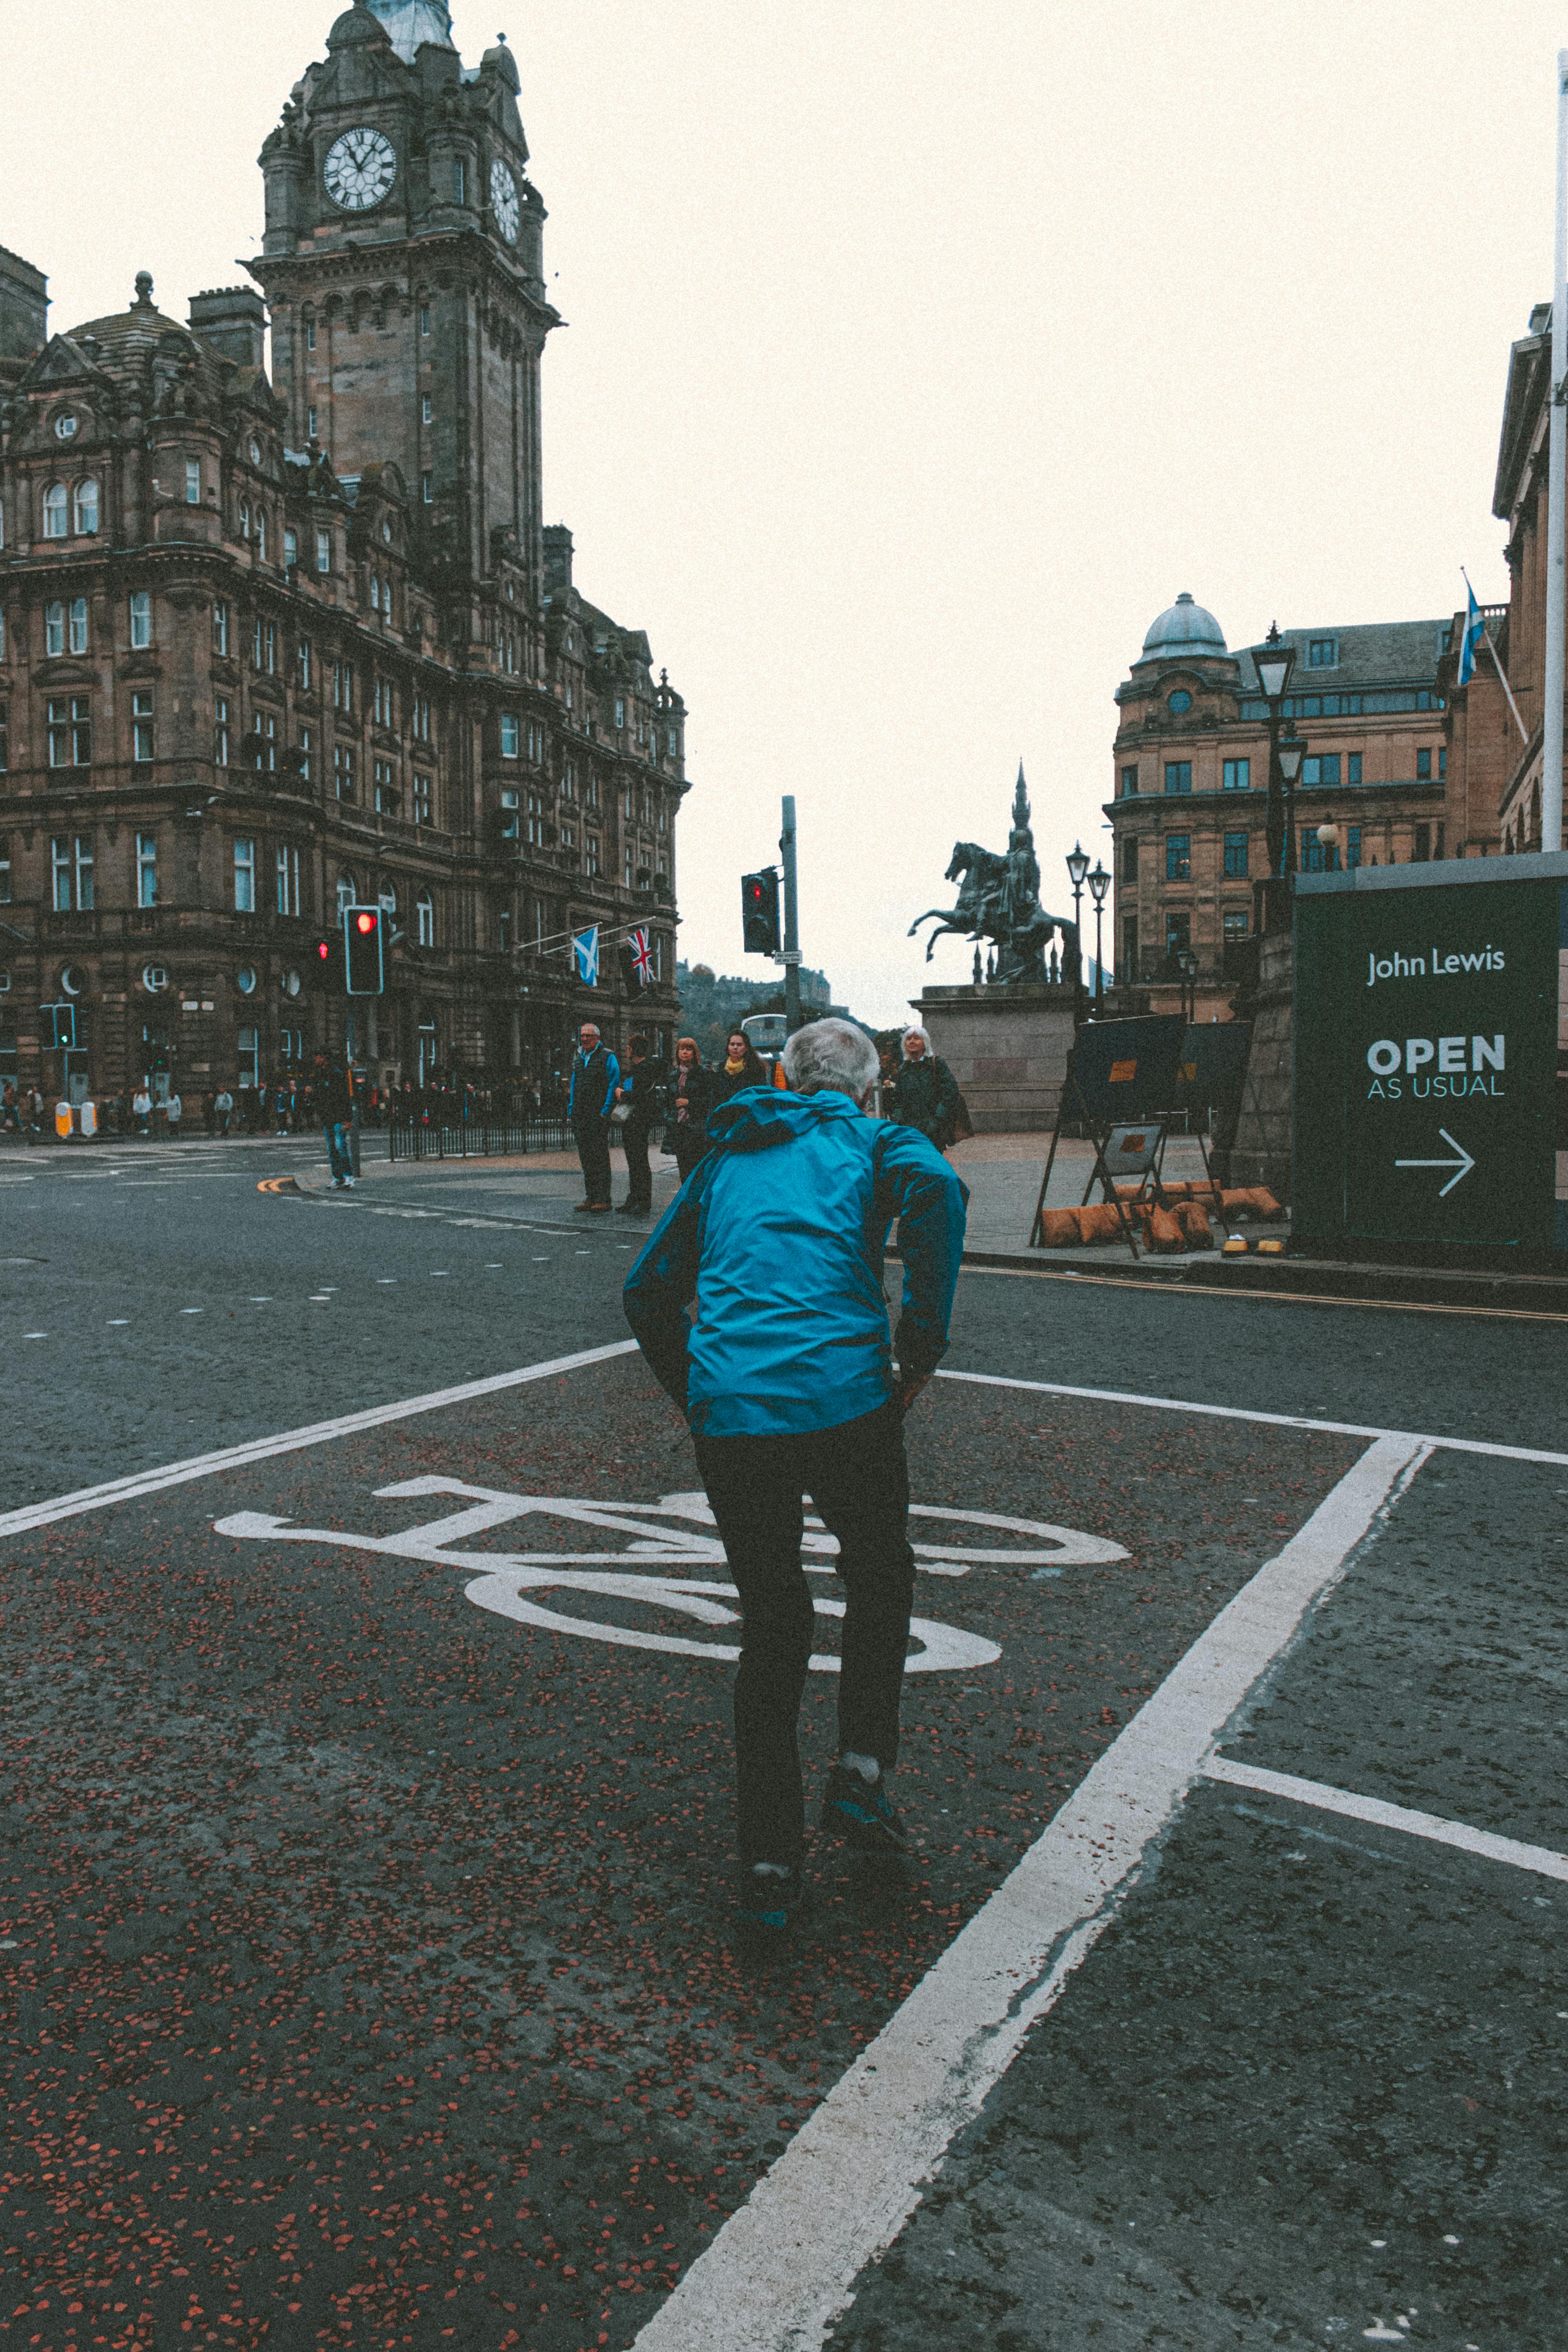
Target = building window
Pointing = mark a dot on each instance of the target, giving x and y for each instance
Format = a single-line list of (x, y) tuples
[(1178, 933), (247, 1050), (1443, 761), (193, 481), (1178, 776), (142, 726), (55, 627), (1236, 854), (1352, 845), (140, 620), (70, 732), (303, 758), (309, 334), (1130, 858), (290, 1046), (348, 893), (1128, 947), (343, 770), (1235, 921), (627, 864), (78, 624), (1422, 851), (220, 630), (260, 535), (385, 715), (459, 181), (220, 733), (1237, 775), (85, 504), (536, 819), (342, 685), (387, 797), (303, 663), (1178, 857), (508, 735), (146, 869), (324, 550), (55, 511), (428, 489), (426, 410), (536, 745), (591, 844), (1353, 766), (620, 713), (265, 649), (1322, 652), (424, 919), (70, 864), (1178, 702), (421, 718), (1318, 857), (291, 550), (266, 744), (4, 869), (244, 874), (311, 432), (1322, 769), (1423, 767), (509, 816), (424, 318), (421, 799), (286, 879)]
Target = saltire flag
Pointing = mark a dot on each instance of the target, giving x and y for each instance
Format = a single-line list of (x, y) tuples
[(642, 956), (586, 948), (1474, 631)]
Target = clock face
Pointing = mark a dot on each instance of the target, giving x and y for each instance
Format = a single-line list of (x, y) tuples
[(504, 203), (361, 168)]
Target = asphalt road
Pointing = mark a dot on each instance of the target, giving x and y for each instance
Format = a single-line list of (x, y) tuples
[(364, 1885)]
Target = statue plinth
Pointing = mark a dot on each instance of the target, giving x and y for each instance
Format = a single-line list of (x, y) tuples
[(1008, 1049)]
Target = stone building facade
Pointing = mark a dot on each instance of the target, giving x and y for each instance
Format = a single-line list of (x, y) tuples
[(1190, 769), (272, 643)]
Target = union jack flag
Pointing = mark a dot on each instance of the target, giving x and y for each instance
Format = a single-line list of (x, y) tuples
[(642, 956)]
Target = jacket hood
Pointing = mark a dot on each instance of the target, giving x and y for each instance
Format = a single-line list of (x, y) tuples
[(761, 1116)]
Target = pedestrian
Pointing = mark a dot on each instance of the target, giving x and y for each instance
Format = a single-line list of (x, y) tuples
[(174, 1111), (596, 1074), (10, 1109), (223, 1110), (333, 1095), (209, 1113), (742, 1067), (638, 1092), (924, 1091), (790, 1387), (691, 1098), (141, 1109)]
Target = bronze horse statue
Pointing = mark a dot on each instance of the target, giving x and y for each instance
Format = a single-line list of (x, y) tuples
[(982, 913)]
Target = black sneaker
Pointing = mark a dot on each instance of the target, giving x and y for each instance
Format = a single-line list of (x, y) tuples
[(769, 1908), (858, 1809)]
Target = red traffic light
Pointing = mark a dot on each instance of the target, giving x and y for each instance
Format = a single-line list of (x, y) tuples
[(365, 922), (323, 948)]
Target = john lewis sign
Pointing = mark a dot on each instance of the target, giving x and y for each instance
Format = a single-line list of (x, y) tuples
[(1430, 1005)]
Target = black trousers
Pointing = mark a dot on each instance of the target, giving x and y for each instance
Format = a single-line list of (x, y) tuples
[(640, 1175), (858, 1478), (593, 1138)]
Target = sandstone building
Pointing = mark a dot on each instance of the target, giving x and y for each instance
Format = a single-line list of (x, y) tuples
[(269, 643), (1191, 766)]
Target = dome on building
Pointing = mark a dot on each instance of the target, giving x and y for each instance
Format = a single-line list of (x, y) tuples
[(410, 22), (355, 25), (1184, 628)]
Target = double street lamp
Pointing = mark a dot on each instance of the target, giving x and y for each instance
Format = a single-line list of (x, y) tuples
[(1077, 868), (1098, 883), (1273, 661), (1188, 965)]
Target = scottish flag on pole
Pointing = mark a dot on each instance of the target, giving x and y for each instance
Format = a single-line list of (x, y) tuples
[(586, 947), (1469, 643)]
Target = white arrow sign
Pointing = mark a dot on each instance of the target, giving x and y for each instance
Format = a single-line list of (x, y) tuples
[(1461, 1166)]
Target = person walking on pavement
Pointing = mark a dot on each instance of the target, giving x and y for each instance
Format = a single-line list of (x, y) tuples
[(141, 1109), (334, 1101), (223, 1110), (924, 1091), (596, 1074), (691, 1098), (790, 1386), (173, 1112), (638, 1090)]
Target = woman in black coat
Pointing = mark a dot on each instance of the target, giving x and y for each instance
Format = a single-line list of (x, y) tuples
[(689, 1099), (744, 1067)]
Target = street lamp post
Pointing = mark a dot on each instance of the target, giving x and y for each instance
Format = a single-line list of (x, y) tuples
[(1077, 866), (1290, 750), (1273, 661), (1188, 965), (1098, 883)]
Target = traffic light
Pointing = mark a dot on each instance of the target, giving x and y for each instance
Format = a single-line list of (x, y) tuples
[(760, 911), (326, 960), (362, 951)]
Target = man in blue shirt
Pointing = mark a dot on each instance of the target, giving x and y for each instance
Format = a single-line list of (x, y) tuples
[(596, 1074), (788, 1379)]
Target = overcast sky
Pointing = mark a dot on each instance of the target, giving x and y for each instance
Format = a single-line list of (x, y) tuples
[(919, 354)]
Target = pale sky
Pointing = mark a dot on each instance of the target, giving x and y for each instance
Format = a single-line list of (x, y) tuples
[(919, 354)]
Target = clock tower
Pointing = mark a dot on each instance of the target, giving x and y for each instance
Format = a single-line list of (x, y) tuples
[(402, 264)]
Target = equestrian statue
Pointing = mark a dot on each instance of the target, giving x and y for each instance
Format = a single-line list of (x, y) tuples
[(999, 901)]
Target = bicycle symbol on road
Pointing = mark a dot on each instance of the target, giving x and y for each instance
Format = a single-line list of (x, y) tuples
[(675, 1532)]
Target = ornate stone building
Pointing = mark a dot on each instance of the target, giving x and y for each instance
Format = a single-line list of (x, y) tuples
[(1191, 776), (271, 642)]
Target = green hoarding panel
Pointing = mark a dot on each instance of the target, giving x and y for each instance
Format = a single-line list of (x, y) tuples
[(1429, 1006)]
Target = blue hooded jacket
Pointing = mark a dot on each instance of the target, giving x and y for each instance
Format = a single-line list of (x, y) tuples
[(779, 1235)]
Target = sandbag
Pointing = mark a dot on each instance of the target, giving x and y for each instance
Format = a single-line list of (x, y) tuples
[(1164, 1233), (1192, 1216), (1100, 1222), (1060, 1228)]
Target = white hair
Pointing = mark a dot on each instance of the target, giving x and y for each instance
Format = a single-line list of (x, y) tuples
[(831, 1056), (914, 1029)]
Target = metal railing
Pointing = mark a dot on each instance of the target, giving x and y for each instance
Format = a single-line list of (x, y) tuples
[(478, 1138)]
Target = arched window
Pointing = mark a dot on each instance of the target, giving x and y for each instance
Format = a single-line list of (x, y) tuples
[(55, 511), (86, 517), (348, 893), (387, 896), (425, 908)]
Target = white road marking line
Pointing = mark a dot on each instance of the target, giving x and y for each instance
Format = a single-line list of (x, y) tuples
[(1327, 1799), (1270, 1420), (784, 2264), (292, 1441), (34, 1335), (117, 1322)]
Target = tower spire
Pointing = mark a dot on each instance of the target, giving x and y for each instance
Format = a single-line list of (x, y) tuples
[(1021, 803)]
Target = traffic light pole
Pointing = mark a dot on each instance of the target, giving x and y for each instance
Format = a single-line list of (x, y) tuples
[(791, 957), (354, 1093)]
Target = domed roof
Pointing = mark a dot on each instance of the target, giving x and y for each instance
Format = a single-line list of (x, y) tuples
[(130, 334), (354, 25), (1184, 628)]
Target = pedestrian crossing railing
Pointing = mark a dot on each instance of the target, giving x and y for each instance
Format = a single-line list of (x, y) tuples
[(478, 1138)]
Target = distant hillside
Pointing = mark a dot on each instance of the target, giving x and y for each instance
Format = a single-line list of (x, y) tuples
[(712, 1003)]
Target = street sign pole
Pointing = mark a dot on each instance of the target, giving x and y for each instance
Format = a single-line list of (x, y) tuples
[(792, 918)]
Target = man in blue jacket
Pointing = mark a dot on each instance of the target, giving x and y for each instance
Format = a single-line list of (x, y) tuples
[(788, 1379), (596, 1074)]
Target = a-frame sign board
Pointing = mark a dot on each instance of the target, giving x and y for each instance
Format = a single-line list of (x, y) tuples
[(1117, 1072)]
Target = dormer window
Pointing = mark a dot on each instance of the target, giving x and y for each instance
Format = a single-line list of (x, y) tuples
[(256, 453), (65, 428)]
